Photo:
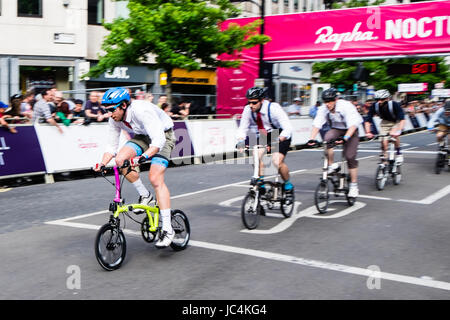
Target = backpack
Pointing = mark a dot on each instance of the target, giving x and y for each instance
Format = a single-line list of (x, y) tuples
[(270, 118), (390, 107)]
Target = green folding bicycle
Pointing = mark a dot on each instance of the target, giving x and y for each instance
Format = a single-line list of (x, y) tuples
[(110, 242)]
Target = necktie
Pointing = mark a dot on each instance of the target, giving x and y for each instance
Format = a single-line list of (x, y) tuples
[(127, 124), (260, 124)]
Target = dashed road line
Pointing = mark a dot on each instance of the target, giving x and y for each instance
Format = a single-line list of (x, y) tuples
[(419, 281)]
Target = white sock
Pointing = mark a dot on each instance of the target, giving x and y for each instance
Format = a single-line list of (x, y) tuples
[(166, 220), (141, 189)]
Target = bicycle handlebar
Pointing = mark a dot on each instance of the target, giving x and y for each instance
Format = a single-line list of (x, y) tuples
[(126, 164)]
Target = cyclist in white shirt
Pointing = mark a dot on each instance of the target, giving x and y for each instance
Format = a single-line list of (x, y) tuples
[(344, 120), (153, 138), (270, 119)]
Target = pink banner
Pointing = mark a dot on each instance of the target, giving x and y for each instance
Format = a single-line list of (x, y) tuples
[(232, 84), (420, 28), (361, 32)]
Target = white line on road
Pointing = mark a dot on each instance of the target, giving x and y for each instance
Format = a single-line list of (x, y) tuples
[(431, 198), (290, 259)]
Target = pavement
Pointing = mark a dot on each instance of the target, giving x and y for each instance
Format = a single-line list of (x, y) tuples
[(392, 244)]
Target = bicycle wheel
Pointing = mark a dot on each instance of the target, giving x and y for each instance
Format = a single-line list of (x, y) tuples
[(287, 203), (146, 234), (380, 178), (110, 247), (321, 196), (250, 217), (398, 175), (440, 163), (182, 229)]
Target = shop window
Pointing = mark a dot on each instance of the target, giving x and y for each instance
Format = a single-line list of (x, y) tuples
[(284, 92), (96, 11), (29, 8)]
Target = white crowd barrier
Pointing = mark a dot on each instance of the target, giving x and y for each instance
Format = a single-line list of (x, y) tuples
[(82, 146)]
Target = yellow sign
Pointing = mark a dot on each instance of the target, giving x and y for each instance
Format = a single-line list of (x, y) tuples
[(198, 77), (163, 79)]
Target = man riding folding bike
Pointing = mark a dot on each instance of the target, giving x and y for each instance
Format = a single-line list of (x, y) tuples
[(392, 122), (344, 120), (153, 138), (442, 118), (270, 119)]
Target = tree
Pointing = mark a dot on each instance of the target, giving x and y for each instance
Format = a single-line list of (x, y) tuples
[(342, 72), (180, 33)]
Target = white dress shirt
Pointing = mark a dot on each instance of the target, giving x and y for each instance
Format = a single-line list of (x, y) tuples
[(279, 119), (144, 118), (345, 116)]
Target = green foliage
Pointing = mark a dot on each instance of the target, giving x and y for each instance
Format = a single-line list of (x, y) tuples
[(180, 33), (341, 73)]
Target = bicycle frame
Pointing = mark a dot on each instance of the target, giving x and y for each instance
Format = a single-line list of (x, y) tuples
[(390, 154), (119, 206), (339, 185), (275, 185)]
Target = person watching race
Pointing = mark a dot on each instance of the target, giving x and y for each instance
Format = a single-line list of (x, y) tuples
[(344, 120), (153, 139), (274, 128), (392, 122), (442, 117)]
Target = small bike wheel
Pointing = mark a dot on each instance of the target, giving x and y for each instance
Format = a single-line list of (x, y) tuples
[(110, 247), (250, 216), (147, 235), (287, 203), (398, 175), (182, 229), (380, 178), (440, 163), (322, 197)]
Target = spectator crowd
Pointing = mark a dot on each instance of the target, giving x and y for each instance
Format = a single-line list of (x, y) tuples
[(50, 106)]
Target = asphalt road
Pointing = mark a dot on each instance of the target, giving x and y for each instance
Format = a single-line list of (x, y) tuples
[(393, 244)]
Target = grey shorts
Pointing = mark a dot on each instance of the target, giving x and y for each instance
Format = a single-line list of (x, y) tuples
[(143, 141), (386, 127)]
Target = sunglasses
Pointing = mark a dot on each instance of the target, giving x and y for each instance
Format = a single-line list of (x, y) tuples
[(253, 102), (111, 108)]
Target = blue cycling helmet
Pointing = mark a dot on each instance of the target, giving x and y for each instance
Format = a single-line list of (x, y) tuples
[(114, 97)]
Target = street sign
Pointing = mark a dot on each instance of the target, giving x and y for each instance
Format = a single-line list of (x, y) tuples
[(413, 87), (444, 93)]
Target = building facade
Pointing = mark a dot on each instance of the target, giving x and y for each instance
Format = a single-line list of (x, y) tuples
[(51, 43)]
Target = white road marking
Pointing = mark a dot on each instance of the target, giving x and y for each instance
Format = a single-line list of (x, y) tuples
[(431, 198), (324, 265), (310, 212), (378, 151), (286, 258)]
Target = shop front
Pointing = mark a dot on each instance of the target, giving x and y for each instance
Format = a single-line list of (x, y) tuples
[(198, 87)]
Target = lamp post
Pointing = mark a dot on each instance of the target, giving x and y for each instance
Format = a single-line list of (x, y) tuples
[(262, 8)]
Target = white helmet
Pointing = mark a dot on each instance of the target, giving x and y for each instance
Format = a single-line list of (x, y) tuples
[(382, 94)]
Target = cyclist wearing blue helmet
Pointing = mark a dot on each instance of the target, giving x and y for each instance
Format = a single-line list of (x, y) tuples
[(153, 138)]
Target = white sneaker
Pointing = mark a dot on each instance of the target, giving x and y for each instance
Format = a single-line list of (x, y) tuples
[(399, 159), (333, 168), (353, 192), (145, 201), (165, 240)]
